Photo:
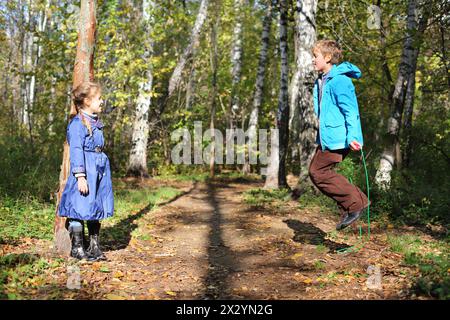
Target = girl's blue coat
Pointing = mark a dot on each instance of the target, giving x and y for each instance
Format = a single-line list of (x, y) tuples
[(99, 202), (339, 122)]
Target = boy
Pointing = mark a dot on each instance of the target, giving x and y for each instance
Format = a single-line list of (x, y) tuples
[(339, 129)]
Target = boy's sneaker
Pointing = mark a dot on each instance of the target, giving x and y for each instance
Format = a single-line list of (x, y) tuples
[(349, 219)]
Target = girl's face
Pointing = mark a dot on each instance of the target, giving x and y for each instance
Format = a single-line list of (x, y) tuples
[(93, 104), (320, 62)]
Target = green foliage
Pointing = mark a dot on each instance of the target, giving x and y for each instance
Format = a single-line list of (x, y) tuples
[(22, 271), (432, 261), (260, 197), (25, 218)]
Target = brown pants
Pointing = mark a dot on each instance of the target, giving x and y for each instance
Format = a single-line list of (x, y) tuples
[(321, 170)]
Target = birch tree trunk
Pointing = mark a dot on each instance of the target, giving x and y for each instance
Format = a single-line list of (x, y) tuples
[(83, 71), (406, 71), (175, 78), (137, 164), (190, 88), (303, 123), (411, 87), (276, 172), (36, 51), (213, 62), (259, 86), (236, 63)]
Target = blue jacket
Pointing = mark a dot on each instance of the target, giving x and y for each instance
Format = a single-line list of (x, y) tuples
[(339, 122), (99, 202)]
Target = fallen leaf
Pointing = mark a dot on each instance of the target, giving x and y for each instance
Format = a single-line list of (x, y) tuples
[(112, 296)]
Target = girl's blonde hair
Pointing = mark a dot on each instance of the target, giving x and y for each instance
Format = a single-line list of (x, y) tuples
[(85, 90), (330, 47)]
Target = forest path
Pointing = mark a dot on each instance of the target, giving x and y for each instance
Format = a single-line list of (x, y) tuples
[(210, 243)]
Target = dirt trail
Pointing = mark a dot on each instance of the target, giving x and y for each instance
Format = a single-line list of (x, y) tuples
[(209, 244)]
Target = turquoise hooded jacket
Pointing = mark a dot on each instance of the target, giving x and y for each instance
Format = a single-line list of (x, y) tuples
[(339, 121)]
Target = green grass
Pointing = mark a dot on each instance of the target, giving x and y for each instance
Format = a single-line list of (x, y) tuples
[(30, 218), (319, 265), (432, 259), (25, 218), (405, 244), (20, 273), (260, 197)]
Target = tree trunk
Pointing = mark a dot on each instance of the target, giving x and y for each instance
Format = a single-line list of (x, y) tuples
[(175, 79), (303, 122), (213, 95), (276, 172), (137, 164), (259, 88), (236, 63), (190, 88), (411, 87), (83, 71), (405, 74)]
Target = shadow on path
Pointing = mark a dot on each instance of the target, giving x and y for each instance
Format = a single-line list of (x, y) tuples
[(308, 233), (220, 258), (118, 236)]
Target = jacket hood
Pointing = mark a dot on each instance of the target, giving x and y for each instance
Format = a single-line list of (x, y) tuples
[(346, 68)]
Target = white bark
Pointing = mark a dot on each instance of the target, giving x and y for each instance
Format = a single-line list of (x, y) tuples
[(175, 79), (404, 81), (276, 174), (236, 63), (303, 122), (137, 164), (259, 86)]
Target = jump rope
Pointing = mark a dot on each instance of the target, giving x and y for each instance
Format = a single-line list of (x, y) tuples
[(360, 244)]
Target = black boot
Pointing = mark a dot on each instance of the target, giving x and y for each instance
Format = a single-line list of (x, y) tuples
[(94, 251), (77, 246)]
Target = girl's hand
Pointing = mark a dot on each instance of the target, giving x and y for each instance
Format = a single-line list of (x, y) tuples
[(82, 185), (355, 146)]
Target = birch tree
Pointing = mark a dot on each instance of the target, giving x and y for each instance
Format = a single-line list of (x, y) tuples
[(403, 90), (260, 79), (276, 172), (188, 52), (236, 64), (303, 123), (137, 164)]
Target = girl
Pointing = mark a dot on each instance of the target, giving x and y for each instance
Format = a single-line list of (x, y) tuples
[(88, 194)]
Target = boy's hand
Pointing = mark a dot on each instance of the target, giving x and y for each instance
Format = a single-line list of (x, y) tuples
[(355, 146), (82, 185)]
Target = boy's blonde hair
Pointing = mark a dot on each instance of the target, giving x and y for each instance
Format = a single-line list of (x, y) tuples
[(329, 47)]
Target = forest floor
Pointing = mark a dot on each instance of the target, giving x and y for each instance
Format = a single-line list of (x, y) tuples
[(213, 239)]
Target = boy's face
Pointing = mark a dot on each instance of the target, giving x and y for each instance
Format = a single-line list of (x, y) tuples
[(321, 63)]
